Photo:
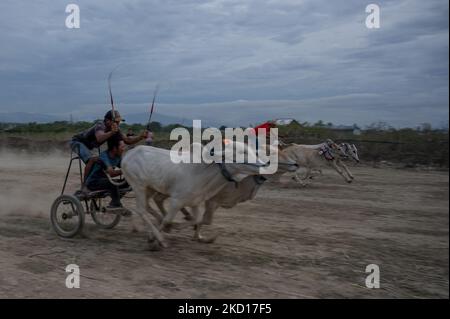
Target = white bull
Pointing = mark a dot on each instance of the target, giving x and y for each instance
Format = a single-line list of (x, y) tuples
[(150, 170), (233, 193), (350, 150), (228, 197), (313, 157)]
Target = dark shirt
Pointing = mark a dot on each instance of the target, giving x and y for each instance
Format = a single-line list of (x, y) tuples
[(88, 137)]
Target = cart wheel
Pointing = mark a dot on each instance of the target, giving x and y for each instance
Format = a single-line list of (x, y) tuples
[(102, 218), (67, 216)]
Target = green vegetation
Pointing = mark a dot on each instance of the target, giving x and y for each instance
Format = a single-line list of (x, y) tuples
[(68, 128), (378, 142)]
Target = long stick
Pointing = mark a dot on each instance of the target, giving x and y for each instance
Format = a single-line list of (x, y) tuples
[(110, 93), (153, 106), (111, 96)]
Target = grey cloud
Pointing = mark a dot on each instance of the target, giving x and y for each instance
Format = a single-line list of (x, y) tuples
[(206, 53)]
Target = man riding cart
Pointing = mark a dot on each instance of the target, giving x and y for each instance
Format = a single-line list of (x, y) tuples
[(83, 143), (68, 211)]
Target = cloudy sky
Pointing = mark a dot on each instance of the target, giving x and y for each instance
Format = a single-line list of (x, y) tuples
[(234, 62)]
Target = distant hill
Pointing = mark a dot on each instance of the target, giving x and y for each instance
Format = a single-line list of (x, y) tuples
[(22, 117), (141, 118)]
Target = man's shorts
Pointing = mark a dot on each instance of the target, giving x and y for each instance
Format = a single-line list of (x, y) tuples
[(83, 152)]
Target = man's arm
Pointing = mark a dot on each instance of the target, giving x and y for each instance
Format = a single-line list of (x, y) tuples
[(102, 136), (113, 172), (134, 139), (107, 166)]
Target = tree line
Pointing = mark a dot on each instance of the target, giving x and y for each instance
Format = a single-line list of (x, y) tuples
[(423, 145)]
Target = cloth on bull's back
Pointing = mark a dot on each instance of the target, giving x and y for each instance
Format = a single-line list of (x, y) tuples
[(104, 161), (325, 150)]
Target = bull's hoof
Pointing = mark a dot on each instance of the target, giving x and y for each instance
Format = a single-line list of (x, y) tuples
[(205, 240), (208, 240), (167, 228), (206, 222), (154, 244), (349, 181)]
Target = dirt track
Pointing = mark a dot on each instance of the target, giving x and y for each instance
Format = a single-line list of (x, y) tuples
[(289, 242)]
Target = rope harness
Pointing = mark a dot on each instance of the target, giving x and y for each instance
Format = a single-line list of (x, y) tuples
[(259, 179), (226, 173)]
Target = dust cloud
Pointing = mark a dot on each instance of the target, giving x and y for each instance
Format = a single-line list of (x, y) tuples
[(27, 180)]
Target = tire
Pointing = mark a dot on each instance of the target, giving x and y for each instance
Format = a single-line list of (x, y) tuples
[(104, 220), (69, 222)]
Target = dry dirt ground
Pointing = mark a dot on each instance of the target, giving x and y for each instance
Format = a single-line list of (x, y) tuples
[(289, 242)]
